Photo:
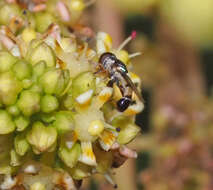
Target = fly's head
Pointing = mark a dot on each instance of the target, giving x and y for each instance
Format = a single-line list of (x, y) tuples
[(108, 61)]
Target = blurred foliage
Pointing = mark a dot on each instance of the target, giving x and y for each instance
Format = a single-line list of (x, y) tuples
[(177, 129)]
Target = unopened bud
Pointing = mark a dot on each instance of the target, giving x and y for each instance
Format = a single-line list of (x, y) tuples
[(14, 158), (42, 138), (6, 61), (41, 52), (6, 123), (22, 69), (43, 21), (82, 83), (70, 156), (21, 145), (39, 68), (76, 5), (50, 81), (7, 11), (80, 171), (128, 133), (21, 123), (29, 102), (64, 121), (13, 110), (9, 88), (49, 103)]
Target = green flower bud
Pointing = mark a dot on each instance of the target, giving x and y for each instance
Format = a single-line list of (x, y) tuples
[(70, 156), (37, 88), (21, 123), (13, 110), (37, 186), (128, 133), (68, 102), (6, 61), (82, 83), (49, 103), (7, 11), (27, 83), (29, 102), (80, 171), (39, 68), (14, 158), (47, 118), (42, 52), (6, 123), (43, 20), (9, 88), (76, 7), (21, 145), (42, 138), (120, 121), (52, 81), (22, 69), (64, 121)]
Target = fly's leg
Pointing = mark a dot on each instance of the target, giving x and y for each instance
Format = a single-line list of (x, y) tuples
[(112, 81)]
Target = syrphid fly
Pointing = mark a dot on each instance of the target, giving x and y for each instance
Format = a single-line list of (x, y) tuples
[(118, 74)]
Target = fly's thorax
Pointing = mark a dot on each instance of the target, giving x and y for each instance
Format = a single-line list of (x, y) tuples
[(108, 63), (121, 67), (107, 60)]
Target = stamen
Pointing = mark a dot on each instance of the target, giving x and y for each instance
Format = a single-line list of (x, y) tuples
[(108, 177), (84, 52), (134, 55), (133, 34), (67, 88), (131, 37)]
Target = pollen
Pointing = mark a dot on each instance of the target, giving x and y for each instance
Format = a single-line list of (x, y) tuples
[(134, 109), (105, 94), (84, 99), (87, 155), (107, 139)]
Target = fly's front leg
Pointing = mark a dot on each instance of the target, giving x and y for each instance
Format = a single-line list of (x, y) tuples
[(112, 81)]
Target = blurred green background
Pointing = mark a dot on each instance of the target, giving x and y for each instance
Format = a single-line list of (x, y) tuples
[(175, 148)]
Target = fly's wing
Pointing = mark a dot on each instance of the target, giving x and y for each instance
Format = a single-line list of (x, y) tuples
[(131, 84)]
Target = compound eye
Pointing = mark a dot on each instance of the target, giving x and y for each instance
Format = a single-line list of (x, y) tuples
[(105, 56)]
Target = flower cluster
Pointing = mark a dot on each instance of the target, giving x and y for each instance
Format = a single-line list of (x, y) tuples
[(58, 119)]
